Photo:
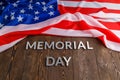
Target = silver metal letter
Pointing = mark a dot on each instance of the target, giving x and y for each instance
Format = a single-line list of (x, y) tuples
[(50, 61), (33, 45), (67, 60), (59, 62)]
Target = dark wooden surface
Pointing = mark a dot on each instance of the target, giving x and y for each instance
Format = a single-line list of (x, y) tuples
[(101, 63)]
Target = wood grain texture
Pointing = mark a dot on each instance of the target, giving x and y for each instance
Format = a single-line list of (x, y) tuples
[(101, 63)]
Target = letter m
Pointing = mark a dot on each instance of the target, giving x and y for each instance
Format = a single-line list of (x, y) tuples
[(30, 46)]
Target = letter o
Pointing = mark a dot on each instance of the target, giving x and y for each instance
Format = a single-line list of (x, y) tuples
[(59, 45)]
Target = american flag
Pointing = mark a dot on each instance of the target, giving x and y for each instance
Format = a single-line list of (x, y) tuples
[(75, 18)]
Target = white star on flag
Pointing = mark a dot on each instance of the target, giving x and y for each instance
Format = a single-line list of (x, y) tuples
[(20, 19), (51, 6), (6, 16), (15, 5), (22, 11), (36, 18), (44, 8), (30, 6), (51, 13)]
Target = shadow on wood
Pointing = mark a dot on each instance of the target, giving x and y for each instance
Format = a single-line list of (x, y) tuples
[(17, 63)]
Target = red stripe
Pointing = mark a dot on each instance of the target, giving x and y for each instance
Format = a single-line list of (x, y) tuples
[(12, 36), (78, 25), (7, 38), (85, 10), (111, 25), (109, 1)]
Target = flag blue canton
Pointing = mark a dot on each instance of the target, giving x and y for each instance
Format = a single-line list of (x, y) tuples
[(14, 12)]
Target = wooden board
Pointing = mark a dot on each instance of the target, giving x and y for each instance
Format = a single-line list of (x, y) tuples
[(17, 63)]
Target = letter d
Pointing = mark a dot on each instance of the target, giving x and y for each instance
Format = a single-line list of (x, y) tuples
[(50, 61)]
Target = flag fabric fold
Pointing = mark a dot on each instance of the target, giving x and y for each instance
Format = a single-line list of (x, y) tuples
[(74, 18)]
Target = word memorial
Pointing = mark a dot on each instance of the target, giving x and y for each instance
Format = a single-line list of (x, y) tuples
[(59, 45)]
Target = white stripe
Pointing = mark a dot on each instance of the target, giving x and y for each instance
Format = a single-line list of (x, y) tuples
[(75, 33), (68, 16), (93, 4), (102, 14), (106, 17), (108, 20), (116, 32), (84, 33), (6, 46), (70, 32), (79, 33)]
